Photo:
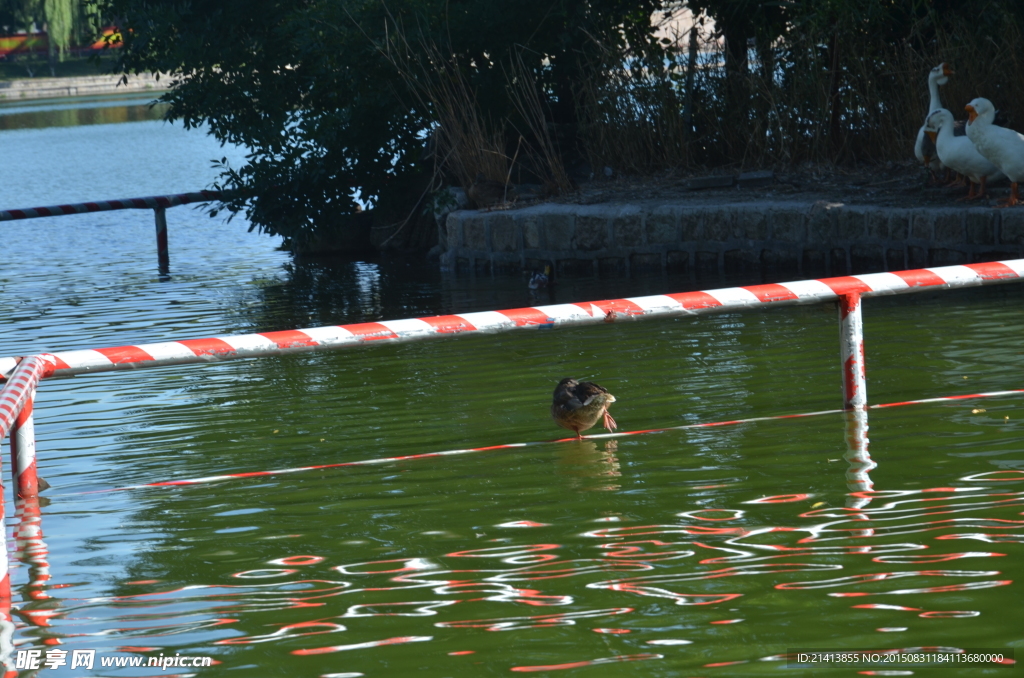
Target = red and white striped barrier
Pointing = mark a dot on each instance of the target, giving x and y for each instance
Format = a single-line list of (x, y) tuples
[(150, 203), (187, 351), (16, 405)]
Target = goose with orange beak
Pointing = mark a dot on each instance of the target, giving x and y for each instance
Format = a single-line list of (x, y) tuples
[(1003, 147), (959, 153), (924, 148)]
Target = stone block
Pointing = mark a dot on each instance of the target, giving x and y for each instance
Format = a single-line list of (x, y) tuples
[(660, 227), (899, 225), (850, 225), (949, 227), (454, 227), (575, 267), (980, 228), (780, 259), (462, 264), (921, 226), (789, 225), (917, 257), (474, 233), (556, 231), (819, 223), (591, 233), (1011, 230), (750, 225), (689, 226), (756, 179), (723, 181), (741, 260), (895, 259), (482, 266), (941, 256), (867, 258), (645, 262), (707, 263), (628, 230), (531, 233), (506, 263), (996, 255), (504, 233), (718, 224), (537, 264), (814, 264), (877, 224), (837, 263), (677, 262), (611, 266)]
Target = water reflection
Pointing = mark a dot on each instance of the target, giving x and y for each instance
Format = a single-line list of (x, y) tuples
[(102, 112), (589, 465)]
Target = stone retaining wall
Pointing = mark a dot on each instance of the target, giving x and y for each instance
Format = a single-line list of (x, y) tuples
[(813, 239), (47, 88)]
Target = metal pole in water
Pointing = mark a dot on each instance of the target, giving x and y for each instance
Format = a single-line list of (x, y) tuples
[(851, 351), (23, 450), (160, 215), (6, 621)]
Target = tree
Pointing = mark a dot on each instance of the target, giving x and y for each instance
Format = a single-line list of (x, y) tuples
[(308, 85)]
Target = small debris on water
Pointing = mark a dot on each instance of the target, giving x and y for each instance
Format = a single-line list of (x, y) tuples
[(818, 504), (977, 410)]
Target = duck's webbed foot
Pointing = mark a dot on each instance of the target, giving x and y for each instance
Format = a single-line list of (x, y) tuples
[(609, 422)]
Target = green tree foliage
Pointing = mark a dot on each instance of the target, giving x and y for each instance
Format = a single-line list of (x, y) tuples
[(310, 86)]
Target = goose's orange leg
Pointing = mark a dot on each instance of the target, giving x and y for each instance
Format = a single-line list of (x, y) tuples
[(1013, 199)]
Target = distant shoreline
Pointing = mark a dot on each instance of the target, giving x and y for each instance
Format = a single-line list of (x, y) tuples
[(53, 88)]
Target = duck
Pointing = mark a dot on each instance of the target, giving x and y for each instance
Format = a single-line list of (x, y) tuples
[(484, 192), (924, 148), (540, 279), (578, 405), (959, 153), (1002, 146)]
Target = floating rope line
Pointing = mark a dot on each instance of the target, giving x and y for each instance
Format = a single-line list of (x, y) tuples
[(507, 446)]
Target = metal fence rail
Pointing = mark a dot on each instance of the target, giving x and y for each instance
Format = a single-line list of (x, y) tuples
[(157, 203)]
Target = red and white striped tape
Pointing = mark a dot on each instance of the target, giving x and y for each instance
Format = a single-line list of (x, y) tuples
[(560, 315), (151, 202), (859, 419)]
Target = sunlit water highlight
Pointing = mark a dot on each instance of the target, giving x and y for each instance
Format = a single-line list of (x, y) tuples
[(697, 552)]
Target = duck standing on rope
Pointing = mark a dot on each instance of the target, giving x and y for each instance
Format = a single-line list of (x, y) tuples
[(577, 405)]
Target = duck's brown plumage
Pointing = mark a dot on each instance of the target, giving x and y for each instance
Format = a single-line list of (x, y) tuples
[(577, 405)]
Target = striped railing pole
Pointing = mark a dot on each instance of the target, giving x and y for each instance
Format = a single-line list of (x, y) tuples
[(730, 299), (16, 405), (6, 620), (851, 352)]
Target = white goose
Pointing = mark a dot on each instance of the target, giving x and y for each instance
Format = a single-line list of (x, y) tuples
[(959, 153), (1003, 147), (924, 149)]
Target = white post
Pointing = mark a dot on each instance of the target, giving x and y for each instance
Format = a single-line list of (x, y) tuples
[(851, 348)]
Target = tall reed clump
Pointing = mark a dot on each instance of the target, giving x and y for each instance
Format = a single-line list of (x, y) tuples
[(467, 142), (829, 90)]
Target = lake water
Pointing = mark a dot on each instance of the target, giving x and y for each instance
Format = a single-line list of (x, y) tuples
[(698, 552)]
